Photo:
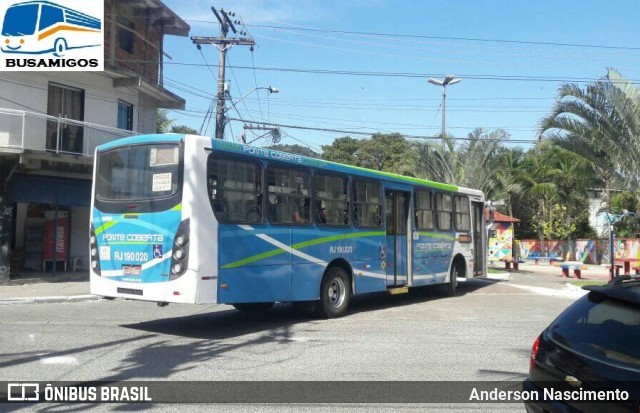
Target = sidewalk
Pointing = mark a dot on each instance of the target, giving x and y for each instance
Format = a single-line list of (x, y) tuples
[(44, 288)]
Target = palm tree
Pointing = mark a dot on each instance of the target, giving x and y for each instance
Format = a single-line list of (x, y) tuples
[(473, 164), (601, 123)]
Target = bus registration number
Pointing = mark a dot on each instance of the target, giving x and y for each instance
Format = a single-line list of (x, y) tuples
[(131, 256), (131, 269)]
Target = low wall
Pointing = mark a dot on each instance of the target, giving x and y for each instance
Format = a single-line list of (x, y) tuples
[(585, 250)]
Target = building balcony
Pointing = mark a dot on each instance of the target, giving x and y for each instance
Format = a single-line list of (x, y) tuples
[(48, 136)]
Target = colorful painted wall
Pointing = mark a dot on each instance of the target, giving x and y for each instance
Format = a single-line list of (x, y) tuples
[(500, 244), (587, 251)]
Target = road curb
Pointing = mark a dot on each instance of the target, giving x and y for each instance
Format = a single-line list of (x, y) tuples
[(49, 300)]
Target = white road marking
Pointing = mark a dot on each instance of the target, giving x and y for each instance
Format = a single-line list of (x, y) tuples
[(59, 360)]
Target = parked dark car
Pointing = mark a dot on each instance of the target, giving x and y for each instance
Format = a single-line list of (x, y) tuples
[(592, 350)]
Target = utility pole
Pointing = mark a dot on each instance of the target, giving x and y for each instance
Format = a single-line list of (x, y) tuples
[(223, 43)]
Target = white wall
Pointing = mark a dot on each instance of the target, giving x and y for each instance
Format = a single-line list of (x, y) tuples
[(28, 91)]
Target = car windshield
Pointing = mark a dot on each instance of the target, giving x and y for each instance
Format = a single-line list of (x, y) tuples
[(601, 328), (141, 172), (20, 20)]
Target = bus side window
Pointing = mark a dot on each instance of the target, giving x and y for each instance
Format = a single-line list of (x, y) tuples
[(235, 190), (367, 203), (331, 199), (289, 196)]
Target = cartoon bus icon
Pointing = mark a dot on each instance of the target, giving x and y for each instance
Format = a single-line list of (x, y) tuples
[(41, 27)]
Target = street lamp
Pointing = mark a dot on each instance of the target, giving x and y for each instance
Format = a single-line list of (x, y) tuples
[(613, 219), (271, 89), (221, 124), (448, 80)]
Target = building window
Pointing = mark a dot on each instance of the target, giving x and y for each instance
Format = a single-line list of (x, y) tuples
[(235, 190), (65, 102), (367, 204), (444, 206), (125, 115), (463, 214), (126, 36), (289, 196), (423, 205), (331, 200)]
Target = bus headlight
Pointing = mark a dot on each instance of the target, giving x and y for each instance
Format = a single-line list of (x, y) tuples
[(180, 256), (93, 248)]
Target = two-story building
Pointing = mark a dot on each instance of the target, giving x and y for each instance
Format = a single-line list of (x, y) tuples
[(50, 124)]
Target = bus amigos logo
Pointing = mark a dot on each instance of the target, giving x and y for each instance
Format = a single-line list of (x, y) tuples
[(42, 35)]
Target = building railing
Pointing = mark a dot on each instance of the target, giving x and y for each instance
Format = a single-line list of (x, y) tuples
[(25, 130)]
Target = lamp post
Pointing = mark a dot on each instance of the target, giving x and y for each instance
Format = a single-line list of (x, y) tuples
[(448, 80), (613, 219)]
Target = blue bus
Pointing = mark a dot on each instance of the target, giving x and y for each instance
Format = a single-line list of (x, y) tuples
[(40, 27), (191, 219)]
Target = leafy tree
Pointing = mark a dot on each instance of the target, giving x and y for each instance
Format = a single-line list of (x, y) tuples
[(163, 123), (183, 129), (388, 153), (295, 148), (341, 150), (628, 226), (556, 225)]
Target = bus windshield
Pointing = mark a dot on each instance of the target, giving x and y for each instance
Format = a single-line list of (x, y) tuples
[(138, 173), (20, 20)]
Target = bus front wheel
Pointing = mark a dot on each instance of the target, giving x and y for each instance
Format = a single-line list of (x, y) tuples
[(253, 308), (59, 47), (335, 293)]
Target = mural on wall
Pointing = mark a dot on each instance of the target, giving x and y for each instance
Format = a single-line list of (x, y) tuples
[(587, 251), (501, 241)]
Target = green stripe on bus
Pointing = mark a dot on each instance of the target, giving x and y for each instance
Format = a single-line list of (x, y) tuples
[(105, 226), (301, 245), (177, 208), (437, 235)]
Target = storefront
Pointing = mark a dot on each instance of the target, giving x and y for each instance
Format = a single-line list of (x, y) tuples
[(50, 225)]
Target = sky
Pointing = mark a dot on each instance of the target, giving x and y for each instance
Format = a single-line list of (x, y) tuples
[(376, 56)]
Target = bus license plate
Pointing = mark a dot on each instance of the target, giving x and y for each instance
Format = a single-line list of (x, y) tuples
[(131, 269)]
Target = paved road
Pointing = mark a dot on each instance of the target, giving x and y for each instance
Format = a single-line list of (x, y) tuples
[(484, 334)]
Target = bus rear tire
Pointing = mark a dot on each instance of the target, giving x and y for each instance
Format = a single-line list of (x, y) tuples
[(452, 286), (335, 294), (253, 308)]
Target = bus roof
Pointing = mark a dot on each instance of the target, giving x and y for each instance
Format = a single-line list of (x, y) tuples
[(233, 147)]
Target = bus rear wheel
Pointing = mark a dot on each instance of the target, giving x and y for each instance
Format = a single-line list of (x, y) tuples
[(335, 294), (452, 286), (253, 308)]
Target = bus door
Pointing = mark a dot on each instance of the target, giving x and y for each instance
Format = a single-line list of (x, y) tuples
[(479, 231), (397, 212)]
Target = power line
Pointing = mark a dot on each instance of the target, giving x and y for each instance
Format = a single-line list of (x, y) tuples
[(348, 132), (415, 75), (468, 39)]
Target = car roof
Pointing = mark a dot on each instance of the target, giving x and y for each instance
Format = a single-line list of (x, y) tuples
[(623, 288)]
